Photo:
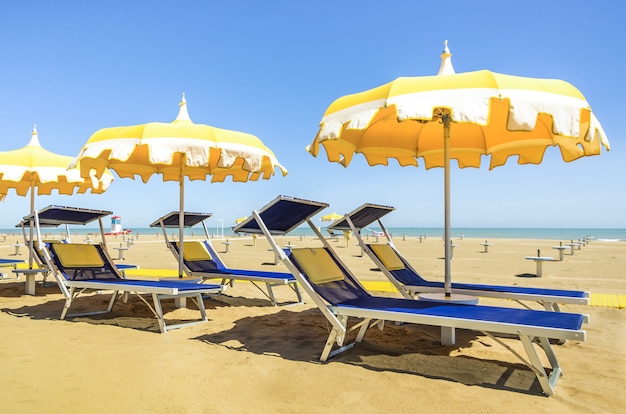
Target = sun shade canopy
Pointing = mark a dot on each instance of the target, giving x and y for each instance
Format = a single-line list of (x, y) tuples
[(281, 215), (172, 219), (362, 217), (57, 215)]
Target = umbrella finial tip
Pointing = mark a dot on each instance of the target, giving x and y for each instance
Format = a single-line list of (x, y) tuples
[(34, 138), (446, 67), (183, 114)]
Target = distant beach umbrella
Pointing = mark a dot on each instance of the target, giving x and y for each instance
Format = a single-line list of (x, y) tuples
[(33, 169), (178, 150), (463, 117), (331, 217)]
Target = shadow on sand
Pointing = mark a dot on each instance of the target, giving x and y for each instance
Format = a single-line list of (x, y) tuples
[(407, 348)]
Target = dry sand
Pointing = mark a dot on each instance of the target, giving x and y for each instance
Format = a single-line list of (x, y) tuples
[(254, 357)]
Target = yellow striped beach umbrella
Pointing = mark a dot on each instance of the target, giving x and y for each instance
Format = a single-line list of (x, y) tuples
[(178, 150), (35, 170), (461, 116)]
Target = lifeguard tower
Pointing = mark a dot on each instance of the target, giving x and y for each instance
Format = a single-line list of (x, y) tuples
[(116, 226)]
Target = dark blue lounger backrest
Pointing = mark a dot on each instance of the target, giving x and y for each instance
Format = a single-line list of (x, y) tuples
[(334, 292), (405, 276), (203, 265), (105, 271)]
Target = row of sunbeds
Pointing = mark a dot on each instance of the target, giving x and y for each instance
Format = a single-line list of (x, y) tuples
[(334, 289)]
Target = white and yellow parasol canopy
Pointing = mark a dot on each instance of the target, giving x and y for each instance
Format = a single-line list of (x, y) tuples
[(490, 113)]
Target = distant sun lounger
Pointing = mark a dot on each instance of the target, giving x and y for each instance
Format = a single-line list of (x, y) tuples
[(340, 296), (201, 259), (80, 268), (408, 281), (10, 262)]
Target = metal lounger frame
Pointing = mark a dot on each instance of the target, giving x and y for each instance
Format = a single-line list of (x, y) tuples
[(338, 317)]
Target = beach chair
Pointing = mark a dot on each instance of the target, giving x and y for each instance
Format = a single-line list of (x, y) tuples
[(201, 259), (9, 263), (83, 268), (340, 296), (408, 281), (37, 254)]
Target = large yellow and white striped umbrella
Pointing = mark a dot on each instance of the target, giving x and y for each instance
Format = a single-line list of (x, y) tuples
[(35, 169), (177, 150), (39, 171), (461, 116)]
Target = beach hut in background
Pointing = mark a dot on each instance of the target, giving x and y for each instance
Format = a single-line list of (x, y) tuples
[(116, 227)]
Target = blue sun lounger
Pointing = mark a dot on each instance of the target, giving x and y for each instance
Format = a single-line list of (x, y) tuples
[(10, 262), (408, 281), (201, 259), (48, 219), (80, 268), (340, 296)]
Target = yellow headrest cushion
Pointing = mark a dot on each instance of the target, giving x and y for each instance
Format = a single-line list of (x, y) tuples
[(387, 256), (318, 265), (78, 255), (195, 250)]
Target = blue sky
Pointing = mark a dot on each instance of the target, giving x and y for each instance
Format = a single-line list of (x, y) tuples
[(270, 68)]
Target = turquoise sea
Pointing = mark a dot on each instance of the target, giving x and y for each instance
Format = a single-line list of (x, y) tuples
[(483, 233)]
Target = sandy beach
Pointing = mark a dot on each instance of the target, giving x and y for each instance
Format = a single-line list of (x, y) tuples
[(254, 357)]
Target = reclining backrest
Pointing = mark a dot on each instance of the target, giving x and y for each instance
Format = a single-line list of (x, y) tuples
[(396, 264), (195, 250), (387, 256), (78, 255), (39, 255), (82, 261), (325, 274), (197, 257)]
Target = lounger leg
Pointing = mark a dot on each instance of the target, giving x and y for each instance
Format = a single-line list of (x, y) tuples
[(547, 384), (337, 336), (68, 303), (557, 372), (270, 293), (329, 345), (112, 301), (297, 290), (362, 331), (201, 307), (448, 335), (159, 312)]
